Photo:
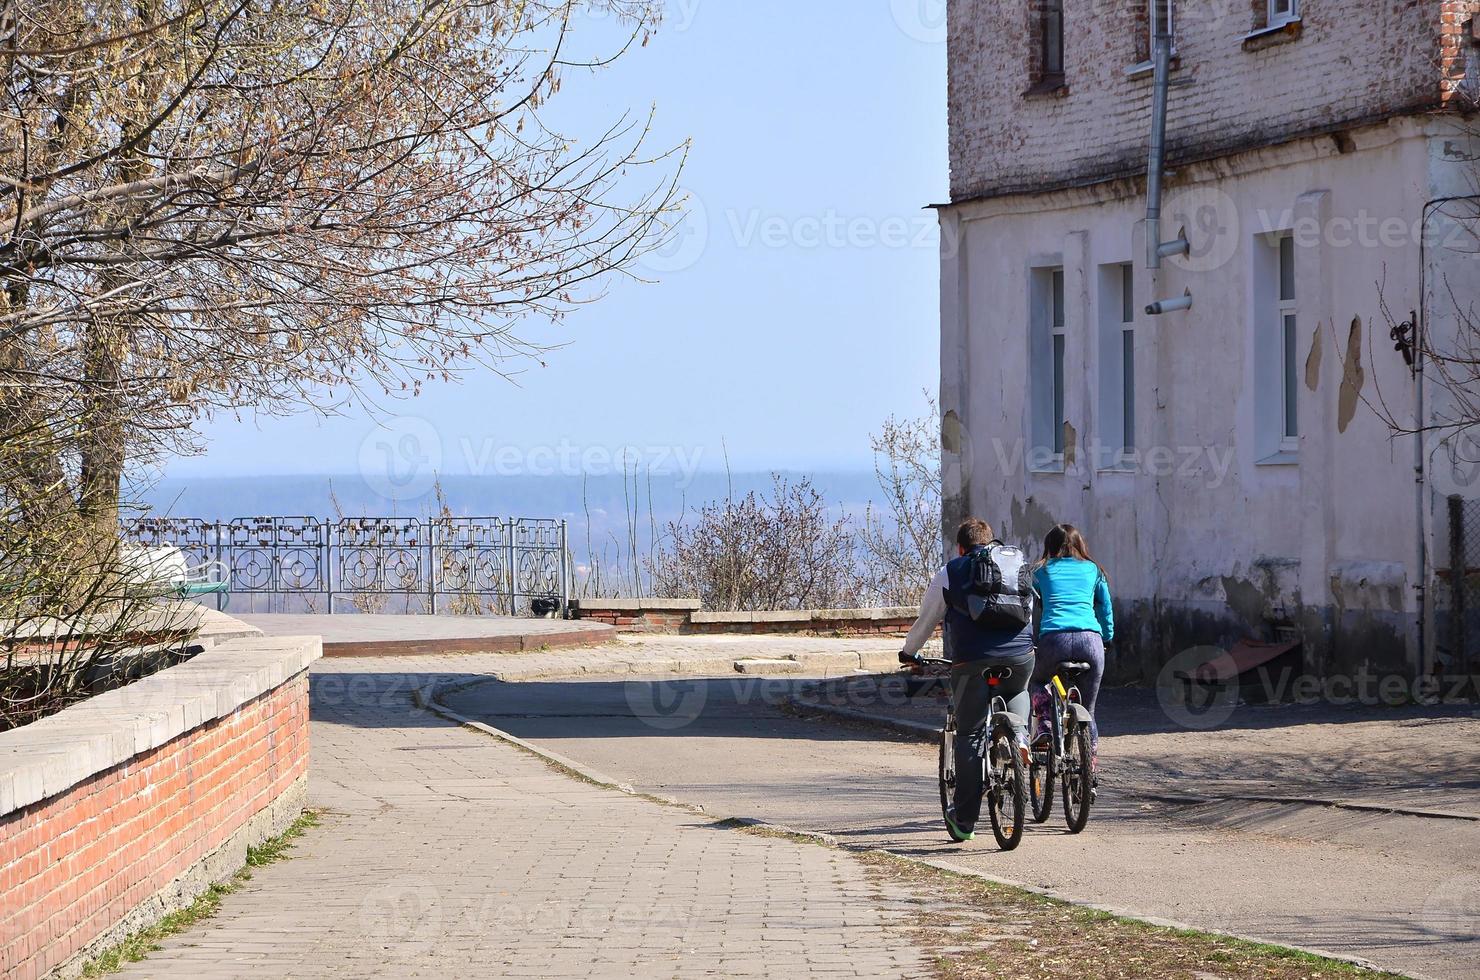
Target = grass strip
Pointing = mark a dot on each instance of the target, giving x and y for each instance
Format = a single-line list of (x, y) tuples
[(140, 944)]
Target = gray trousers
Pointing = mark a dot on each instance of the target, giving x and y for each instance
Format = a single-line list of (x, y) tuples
[(971, 696)]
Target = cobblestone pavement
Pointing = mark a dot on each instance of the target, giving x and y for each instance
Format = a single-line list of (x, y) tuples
[(444, 852)]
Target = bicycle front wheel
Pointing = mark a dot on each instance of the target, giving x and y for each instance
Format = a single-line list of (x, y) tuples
[(947, 769), (1008, 792), (1040, 784), (1078, 778)]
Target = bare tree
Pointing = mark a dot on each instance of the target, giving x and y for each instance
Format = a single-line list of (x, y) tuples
[(209, 204), (900, 541), (782, 551)]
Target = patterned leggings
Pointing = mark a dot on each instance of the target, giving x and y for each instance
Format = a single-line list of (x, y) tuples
[(1067, 647)]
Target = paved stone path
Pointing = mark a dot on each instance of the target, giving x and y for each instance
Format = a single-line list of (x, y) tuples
[(445, 852)]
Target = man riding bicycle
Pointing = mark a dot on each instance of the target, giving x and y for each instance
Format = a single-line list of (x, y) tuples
[(977, 636)]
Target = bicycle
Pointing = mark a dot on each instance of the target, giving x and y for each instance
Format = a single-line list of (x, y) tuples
[(1004, 762), (1067, 756)]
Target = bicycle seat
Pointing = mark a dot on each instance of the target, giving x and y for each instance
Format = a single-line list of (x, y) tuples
[(1075, 667)]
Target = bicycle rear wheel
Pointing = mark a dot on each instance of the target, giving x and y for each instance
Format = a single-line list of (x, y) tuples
[(1078, 778), (1007, 794)]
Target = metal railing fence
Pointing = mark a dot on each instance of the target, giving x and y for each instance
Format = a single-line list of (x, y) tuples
[(460, 565)]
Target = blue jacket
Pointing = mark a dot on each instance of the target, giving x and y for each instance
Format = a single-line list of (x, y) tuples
[(1075, 596)]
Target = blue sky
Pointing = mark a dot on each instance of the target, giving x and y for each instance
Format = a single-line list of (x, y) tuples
[(797, 310)]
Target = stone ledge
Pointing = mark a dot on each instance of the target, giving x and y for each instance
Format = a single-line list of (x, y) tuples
[(806, 616), (638, 605), (49, 756)]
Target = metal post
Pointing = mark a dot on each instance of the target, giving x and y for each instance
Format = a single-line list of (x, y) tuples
[(431, 567), (564, 573), (331, 533), (510, 555), (1457, 582)]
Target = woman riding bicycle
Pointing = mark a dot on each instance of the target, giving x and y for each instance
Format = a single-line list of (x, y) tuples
[(972, 647), (1077, 620)]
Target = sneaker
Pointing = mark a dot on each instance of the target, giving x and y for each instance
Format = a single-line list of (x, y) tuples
[(959, 832), (1043, 741)]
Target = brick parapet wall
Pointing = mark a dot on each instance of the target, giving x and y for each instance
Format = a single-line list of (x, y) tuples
[(126, 841), (1347, 63)]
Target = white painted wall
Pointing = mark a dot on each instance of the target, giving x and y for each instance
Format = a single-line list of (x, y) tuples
[(1203, 521)]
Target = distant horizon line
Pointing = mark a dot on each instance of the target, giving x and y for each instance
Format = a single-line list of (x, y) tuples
[(737, 471)]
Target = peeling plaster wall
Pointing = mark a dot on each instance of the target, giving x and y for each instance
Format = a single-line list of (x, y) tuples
[(1209, 537)]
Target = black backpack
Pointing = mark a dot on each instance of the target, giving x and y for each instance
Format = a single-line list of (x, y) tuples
[(1000, 594)]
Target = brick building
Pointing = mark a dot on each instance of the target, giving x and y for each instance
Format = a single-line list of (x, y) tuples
[(1234, 465)]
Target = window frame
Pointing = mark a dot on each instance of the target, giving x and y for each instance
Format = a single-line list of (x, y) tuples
[(1127, 360), (1151, 21), (1058, 333), (1050, 28), (1287, 313), (1274, 18)]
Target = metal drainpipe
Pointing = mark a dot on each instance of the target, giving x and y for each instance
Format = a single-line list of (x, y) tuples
[(1162, 58)]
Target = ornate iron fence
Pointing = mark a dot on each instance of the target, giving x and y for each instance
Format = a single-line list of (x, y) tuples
[(461, 565)]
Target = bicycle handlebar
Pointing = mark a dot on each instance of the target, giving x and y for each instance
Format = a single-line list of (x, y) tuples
[(917, 660)]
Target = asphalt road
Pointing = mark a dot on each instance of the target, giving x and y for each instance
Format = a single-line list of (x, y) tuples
[(1401, 891)]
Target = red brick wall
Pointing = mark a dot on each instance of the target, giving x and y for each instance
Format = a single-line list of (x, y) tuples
[(1351, 61), (634, 620), (74, 865)]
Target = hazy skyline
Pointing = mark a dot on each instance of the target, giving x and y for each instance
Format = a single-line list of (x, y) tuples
[(796, 309)]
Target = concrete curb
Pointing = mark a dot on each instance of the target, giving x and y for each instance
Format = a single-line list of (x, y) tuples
[(427, 699), (586, 636)]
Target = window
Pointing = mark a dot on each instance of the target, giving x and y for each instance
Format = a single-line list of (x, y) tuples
[(1116, 438), (1127, 358), (1049, 368), (1051, 26), (1289, 342), (1160, 15), (1281, 12), (1059, 340), (1277, 368)]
